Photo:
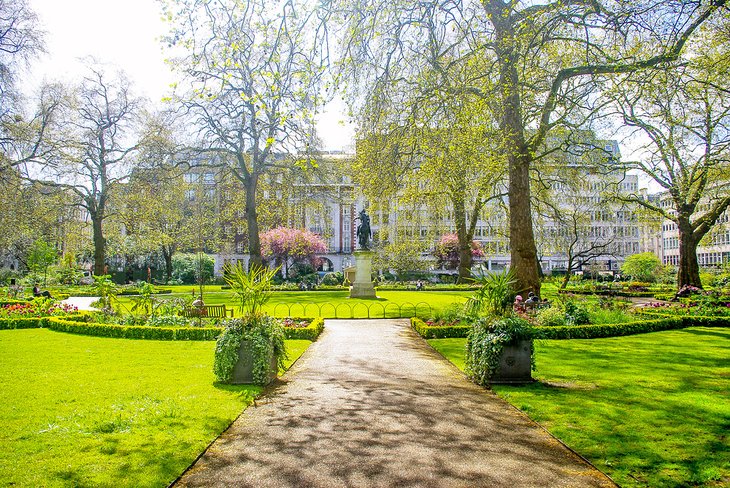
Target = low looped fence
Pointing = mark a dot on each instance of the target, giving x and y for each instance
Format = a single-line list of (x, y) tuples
[(357, 310)]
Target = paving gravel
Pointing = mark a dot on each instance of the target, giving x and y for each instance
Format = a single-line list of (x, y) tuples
[(370, 404)]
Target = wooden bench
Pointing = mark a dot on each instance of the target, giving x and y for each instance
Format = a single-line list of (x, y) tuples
[(208, 311)]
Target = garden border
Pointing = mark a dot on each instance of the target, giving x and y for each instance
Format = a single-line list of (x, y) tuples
[(80, 326), (591, 331)]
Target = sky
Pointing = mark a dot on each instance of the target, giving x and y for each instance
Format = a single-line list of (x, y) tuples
[(126, 34)]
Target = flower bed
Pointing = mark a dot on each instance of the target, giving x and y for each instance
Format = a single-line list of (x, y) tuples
[(36, 308), (299, 328), (303, 328)]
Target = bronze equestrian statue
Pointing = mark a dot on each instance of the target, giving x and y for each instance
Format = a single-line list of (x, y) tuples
[(364, 234)]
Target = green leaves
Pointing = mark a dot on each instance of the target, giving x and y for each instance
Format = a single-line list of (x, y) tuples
[(266, 338), (495, 294), (251, 288), (486, 341)]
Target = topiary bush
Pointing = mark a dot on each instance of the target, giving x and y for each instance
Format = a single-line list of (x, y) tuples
[(266, 336)]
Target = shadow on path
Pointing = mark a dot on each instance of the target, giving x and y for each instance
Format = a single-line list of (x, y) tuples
[(370, 404)]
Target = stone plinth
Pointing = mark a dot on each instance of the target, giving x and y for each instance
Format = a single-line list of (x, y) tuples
[(362, 287)]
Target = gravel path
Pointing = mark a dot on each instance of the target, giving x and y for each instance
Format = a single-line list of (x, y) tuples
[(371, 404), (81, 303)]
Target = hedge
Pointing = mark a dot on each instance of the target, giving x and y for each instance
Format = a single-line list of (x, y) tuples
[(594, 331), (610, 293), (81, 326), (309, 333), (694, 320), (440, 331), (134, 331), (22, 322), (590, 331), (13, 302)]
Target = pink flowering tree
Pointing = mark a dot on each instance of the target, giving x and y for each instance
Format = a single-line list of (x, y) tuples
[(447, 252), (286, 247)]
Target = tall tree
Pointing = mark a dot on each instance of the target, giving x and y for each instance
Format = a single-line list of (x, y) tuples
[(428, 148), (253, 73), (538, 66), (95, 157), (21, 39), (681, 123), (22, 137)]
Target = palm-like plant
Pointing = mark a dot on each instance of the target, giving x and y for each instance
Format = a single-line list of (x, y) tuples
[(251, 288), (494, 295)]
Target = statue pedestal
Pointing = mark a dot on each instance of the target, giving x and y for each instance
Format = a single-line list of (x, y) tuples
[(362, 287)]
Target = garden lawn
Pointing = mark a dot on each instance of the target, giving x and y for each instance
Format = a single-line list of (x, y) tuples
[(89, 411), (337, 304), (648, 410)]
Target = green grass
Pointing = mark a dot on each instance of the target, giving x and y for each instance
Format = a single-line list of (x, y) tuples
[(337, 304), (88, 411), (649, 410)]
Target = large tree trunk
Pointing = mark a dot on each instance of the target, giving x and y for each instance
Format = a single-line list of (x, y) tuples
[(689, 270), (523, 252), (254, 243), (99, 245), (465, 261), (465, 257), (167, 252)]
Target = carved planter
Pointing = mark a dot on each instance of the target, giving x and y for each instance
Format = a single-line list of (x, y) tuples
[(243, 370), (515, 364)]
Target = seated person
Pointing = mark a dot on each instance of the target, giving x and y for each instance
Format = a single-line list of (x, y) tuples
[(518, 305), (38, 293)]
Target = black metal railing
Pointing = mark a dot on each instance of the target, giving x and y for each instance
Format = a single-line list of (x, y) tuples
[(354, 310)]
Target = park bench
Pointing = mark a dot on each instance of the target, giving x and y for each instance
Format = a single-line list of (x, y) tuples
[(207, 311)]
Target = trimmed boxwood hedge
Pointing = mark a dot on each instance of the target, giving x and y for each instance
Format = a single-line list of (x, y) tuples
[(607, 330), (309, 333), (13, 302), (440, 331), (591, 331), (693, 320), (22, 322), (134, 331), (81, 325), (610, 293)]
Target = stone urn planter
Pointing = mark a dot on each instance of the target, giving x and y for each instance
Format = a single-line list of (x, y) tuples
[(500, 351), (515, 364), (243, 370), (249, 350)]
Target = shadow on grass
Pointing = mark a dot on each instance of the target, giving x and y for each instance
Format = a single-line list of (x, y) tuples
[(725, 334)]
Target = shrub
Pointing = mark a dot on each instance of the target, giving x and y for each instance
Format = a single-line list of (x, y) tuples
[(494, 295), (576, 314), (266, 337), (333, 279), (167, 321), (550, 317), (22, 323), (79, 326), (439, 331), (186, 268), (608, 330), (486, 341), (449, 315)]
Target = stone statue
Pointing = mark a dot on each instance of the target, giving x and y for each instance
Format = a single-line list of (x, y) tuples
[(364, 234)]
